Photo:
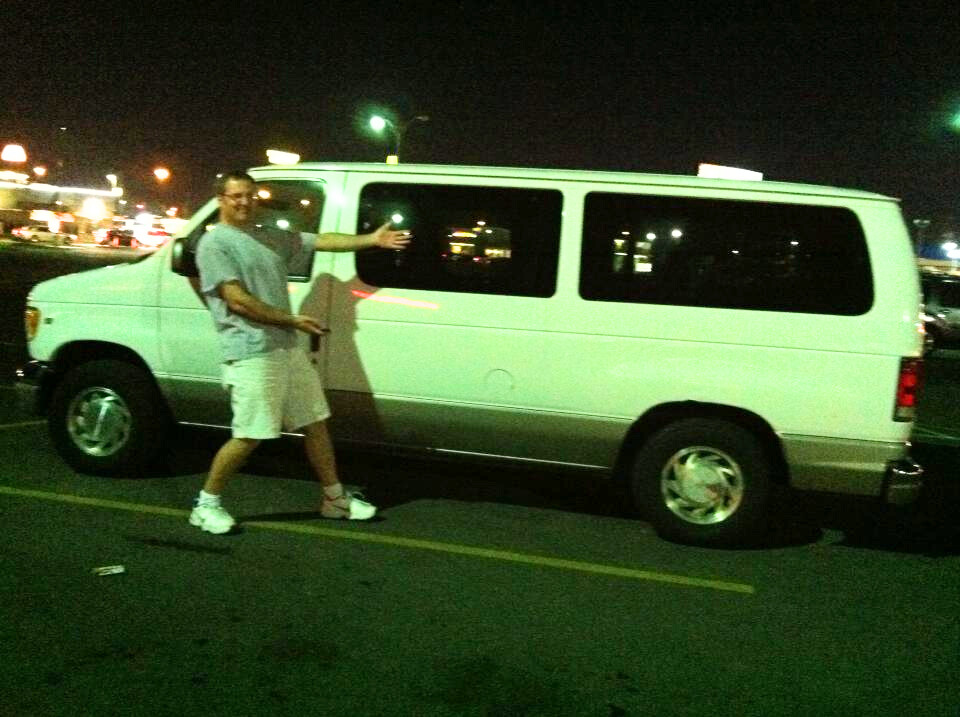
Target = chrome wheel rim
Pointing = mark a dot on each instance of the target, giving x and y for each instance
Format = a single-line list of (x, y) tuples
[(99, 422), (702, 485)]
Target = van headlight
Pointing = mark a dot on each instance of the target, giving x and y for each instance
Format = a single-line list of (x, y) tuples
[(31, 321)]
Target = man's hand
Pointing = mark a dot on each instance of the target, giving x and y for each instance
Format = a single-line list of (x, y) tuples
[(307, 324), (387, 238)]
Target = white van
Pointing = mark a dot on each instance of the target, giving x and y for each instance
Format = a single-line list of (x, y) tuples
[(702, 340)]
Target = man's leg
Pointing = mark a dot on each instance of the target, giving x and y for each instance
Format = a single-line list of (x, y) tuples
[(319, 448), (208, 514), (227, 462), (337, 503)]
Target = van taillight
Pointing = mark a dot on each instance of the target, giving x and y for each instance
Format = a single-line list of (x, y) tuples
[(908, 389)]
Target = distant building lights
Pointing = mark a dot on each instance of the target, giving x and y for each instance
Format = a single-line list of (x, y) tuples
[(71, 190), (93, 209), (16, 177)]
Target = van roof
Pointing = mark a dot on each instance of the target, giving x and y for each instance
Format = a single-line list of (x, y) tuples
[(570, 175)]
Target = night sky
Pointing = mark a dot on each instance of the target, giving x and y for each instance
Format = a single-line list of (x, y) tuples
[(847, 94)]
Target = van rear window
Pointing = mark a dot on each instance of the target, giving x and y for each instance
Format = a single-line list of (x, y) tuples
[(725, 254)]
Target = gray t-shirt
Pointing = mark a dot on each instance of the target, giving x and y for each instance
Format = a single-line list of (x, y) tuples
[(259, 258)]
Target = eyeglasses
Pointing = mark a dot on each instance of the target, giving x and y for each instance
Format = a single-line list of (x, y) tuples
[(237, 196)]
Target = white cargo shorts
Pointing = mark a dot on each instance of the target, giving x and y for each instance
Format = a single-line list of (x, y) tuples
[(274, 391)]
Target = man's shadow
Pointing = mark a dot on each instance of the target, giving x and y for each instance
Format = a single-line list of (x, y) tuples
[(334, 302)]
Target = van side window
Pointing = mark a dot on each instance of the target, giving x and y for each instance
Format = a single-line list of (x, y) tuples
[(479, 240), (290, 205), (724, 253)]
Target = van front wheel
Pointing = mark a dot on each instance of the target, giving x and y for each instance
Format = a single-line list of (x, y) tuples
[(703, 481), (107, 417)]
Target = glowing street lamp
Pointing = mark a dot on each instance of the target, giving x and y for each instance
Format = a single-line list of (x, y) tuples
[(40, 171), (162, 174), (378, 124), (13, 153)]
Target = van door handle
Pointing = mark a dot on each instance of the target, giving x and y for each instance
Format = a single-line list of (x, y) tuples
[(315, 340)]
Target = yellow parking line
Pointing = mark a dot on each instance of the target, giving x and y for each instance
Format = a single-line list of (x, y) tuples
[(21, 424), (922, 431), (414, 543)]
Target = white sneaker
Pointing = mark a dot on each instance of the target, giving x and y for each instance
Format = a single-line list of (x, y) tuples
[(348, 507), (213, 519)]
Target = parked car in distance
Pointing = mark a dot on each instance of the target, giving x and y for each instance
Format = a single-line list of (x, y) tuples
[(941, 297), (42, 233), (155, 237), (119, 237)]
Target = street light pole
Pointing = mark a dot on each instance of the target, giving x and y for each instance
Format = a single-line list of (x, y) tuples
[(921, 225), (403, 130), (378, 124)]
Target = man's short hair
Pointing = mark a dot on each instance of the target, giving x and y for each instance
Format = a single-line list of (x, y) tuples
[(220, 183)]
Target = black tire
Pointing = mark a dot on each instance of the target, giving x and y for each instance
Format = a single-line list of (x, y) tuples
[(703, 481), (107, 418)]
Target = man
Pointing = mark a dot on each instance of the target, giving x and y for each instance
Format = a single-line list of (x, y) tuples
[(243, 279)]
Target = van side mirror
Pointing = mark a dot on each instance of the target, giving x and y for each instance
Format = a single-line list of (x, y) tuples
[(184, 260)]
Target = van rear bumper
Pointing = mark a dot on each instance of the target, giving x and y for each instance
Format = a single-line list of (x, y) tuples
[(833, 465)]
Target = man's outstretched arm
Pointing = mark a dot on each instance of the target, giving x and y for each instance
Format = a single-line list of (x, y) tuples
[(384, 237)]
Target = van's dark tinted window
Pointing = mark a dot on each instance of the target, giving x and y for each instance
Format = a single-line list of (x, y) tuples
[(482, 240), (721, 253)]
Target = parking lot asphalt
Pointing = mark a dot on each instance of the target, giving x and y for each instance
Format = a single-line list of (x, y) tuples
[(477, 592)]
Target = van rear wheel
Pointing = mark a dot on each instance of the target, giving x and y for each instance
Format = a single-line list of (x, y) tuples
[(703, 481), (107, 417)]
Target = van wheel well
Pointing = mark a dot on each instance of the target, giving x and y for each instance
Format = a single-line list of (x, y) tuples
[(72, 355), (665, 414)]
